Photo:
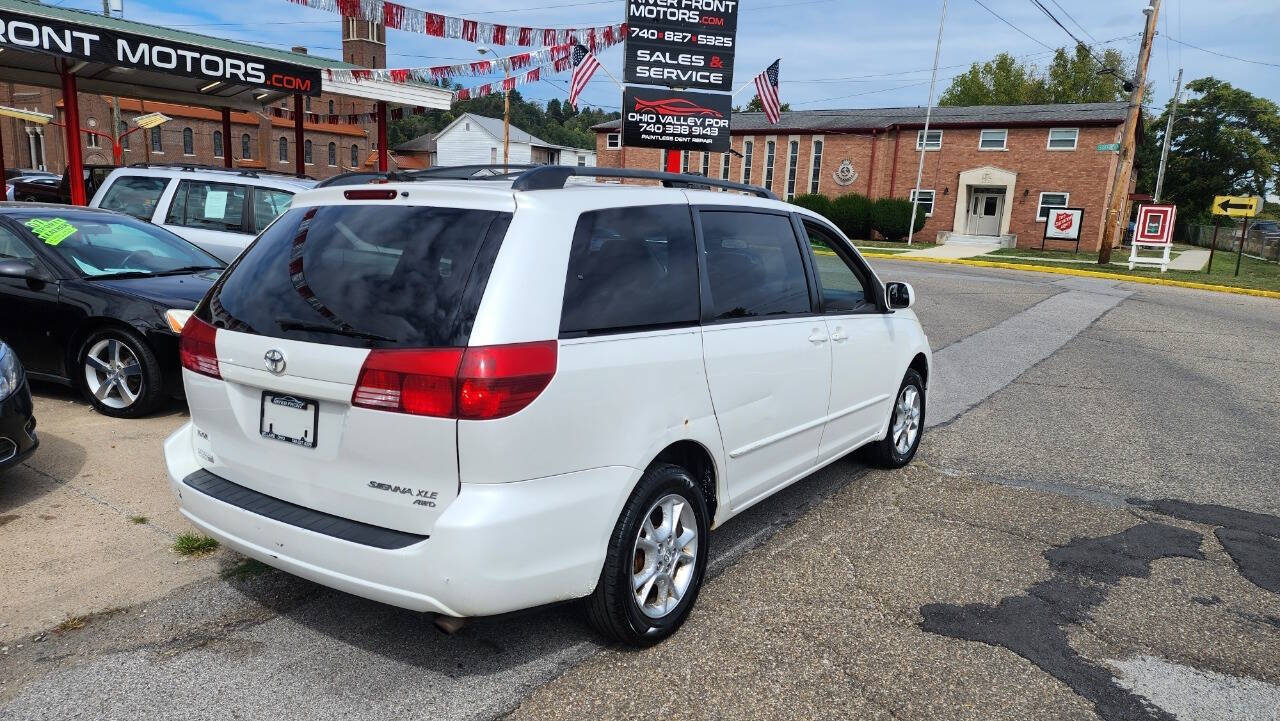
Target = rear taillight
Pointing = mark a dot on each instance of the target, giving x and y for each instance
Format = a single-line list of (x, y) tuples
[(366, 194), (199, 353), (474, 383)]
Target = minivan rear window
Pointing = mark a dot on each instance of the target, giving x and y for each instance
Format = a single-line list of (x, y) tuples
[(367, 276)]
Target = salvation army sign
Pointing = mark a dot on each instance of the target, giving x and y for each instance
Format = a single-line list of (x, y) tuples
[(681, 43), (32, 33), (1064, 224), (675, 120)]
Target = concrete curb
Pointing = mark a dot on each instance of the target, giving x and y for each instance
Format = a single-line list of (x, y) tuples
[(1085, 273)]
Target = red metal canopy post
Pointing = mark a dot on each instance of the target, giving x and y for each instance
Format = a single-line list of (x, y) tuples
[(75, 164), (226, 137), (298, 160), (382, 136), (673, 161)]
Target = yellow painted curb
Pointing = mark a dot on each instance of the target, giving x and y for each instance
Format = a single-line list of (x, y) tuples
[(1086, 273)]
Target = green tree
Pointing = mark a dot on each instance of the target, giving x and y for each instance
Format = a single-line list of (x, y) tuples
[(1071, 77), (556, 122), (1225, 141), (757, 106)]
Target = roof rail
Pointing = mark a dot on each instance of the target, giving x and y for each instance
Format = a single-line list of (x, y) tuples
[(243, 172), (551, 177)]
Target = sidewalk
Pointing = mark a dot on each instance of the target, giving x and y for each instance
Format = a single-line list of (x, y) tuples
[(952, 250), (1192, 260)]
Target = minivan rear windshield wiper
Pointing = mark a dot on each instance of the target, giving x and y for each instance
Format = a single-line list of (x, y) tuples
[(294, 324)]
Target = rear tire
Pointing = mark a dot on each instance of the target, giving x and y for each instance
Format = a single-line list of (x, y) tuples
[(118, 373), (906, 426), (656, 560)]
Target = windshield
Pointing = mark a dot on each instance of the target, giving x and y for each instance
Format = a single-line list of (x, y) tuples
[(379, 276), (101, 245)]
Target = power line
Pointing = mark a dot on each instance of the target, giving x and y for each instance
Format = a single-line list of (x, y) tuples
[(1223, 55), (1029, 36), (1072, 19)]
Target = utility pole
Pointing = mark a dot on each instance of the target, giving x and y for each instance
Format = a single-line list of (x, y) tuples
[(924, 138), (1168, 133), (1120, 189), (506, 121)]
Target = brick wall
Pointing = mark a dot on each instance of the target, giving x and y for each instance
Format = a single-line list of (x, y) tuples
[(1084, 173)]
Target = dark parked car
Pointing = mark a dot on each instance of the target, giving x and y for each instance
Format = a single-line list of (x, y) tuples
[(38, 190), (17, 422), (11, 173), (96, 299)]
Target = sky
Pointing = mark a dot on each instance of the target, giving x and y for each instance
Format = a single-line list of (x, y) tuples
[(835, 53)]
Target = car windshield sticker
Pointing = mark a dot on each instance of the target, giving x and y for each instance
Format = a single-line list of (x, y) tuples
[(51, 231)]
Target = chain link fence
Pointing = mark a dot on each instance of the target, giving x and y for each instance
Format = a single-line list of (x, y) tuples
[(1260, 243)]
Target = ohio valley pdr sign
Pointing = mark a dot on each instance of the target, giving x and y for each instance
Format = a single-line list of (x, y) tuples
[(127, 50)]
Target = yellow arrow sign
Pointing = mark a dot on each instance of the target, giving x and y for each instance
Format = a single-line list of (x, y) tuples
[(1237, 206)]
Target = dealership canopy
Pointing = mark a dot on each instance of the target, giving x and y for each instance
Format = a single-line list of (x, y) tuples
[(80, 51)]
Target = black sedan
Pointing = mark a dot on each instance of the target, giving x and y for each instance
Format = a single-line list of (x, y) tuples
[(96, 299), (17, 422)]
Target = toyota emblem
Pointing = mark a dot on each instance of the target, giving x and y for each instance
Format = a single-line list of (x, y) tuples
[(275, 361)]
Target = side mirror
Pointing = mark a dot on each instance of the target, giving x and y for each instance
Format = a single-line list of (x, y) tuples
[(21, 269), (898, 295)]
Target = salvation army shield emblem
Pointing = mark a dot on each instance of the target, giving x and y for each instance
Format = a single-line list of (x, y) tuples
[(1063, 221)]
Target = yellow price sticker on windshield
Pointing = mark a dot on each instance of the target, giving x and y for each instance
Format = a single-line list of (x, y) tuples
[(52, 231)]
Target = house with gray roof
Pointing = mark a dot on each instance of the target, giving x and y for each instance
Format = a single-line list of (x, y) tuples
[(476, 140)]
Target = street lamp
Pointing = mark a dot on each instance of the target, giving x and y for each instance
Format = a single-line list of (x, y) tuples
[(506, 113)]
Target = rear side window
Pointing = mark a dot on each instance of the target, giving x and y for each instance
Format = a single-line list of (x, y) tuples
[(631, 269), (754, 265), (209, 206), (134, 195), (365, 276), (267, 204)]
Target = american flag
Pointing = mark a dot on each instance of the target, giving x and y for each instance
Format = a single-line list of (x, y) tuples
[(584, 66), (767, 89)]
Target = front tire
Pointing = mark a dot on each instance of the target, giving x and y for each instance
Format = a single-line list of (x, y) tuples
[(656, 560), (118, 373), (906, 426)]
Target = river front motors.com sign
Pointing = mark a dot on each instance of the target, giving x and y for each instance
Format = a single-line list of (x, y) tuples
[(127, 50), (675, 119), (681, 43)]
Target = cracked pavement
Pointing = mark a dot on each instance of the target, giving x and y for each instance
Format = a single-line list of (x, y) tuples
[(1092, 534)]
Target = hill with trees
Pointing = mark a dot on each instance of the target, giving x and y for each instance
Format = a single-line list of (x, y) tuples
[(556, 122)]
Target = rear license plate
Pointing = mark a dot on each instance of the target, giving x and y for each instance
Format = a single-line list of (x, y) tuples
[(289, 418)]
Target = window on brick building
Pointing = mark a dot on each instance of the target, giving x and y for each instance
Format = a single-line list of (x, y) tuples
[(306, 152), (333, 154), (1051, 200), (793, 158), (244, 147), (993, 139), (684, 161), (217, 143), (706, 165), (331, 107), (1063, 138), (770, 150), (91, 140), (120, 133), (815, 169), (355, 156), (613, 141), (284, 150), (747, 147), (188, 141), (157, 145), (724, 166), (926, 201), (307, 103), (932, 142)]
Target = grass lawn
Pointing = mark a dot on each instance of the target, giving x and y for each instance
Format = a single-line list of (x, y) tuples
[(1258, 274), (889, 246)]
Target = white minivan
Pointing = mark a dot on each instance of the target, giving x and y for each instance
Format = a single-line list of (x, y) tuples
[(474, 396), (220, 210)]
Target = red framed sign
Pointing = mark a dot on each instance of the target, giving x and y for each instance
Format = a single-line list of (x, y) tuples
[(1155, 224)]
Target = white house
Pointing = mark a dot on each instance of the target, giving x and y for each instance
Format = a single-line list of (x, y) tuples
[(477, 140)]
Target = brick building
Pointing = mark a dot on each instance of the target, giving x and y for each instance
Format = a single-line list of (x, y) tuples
[(194, 135), (989, 171)]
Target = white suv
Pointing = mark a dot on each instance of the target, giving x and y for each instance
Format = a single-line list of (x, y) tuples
[(220, 210), (471, 397)]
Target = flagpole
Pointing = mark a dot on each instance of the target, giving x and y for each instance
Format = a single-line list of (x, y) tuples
[(928, 115), (615, 80)]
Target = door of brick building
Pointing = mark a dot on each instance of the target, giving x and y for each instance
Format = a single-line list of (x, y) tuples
[(985, 210)]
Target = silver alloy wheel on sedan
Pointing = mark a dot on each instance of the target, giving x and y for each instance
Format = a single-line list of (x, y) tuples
[(113, 373), (906, 419), (664, 556)]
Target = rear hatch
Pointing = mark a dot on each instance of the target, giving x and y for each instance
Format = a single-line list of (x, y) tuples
[(302, 349)]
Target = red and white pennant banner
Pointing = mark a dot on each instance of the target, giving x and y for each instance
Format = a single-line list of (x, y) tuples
[(401, 17), (346, 119), (550, 55), (506, 84)]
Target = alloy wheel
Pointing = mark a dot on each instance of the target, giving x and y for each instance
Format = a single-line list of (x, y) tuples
[(113, 374), (664, 556), (906, 419)]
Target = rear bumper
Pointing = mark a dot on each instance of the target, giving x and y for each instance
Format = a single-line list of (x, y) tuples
[(495, 548)]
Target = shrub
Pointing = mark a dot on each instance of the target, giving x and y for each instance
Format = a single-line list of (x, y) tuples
[(892, 216), (852, 214), (816, 202)]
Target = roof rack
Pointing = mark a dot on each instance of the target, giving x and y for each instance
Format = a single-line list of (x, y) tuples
[(243, 172), (551, 177)]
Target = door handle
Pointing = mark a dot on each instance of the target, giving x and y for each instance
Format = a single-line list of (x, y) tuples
[(817, 337), (839, 335)]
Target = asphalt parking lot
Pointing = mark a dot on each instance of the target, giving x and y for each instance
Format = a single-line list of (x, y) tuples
[(1091, 530)]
